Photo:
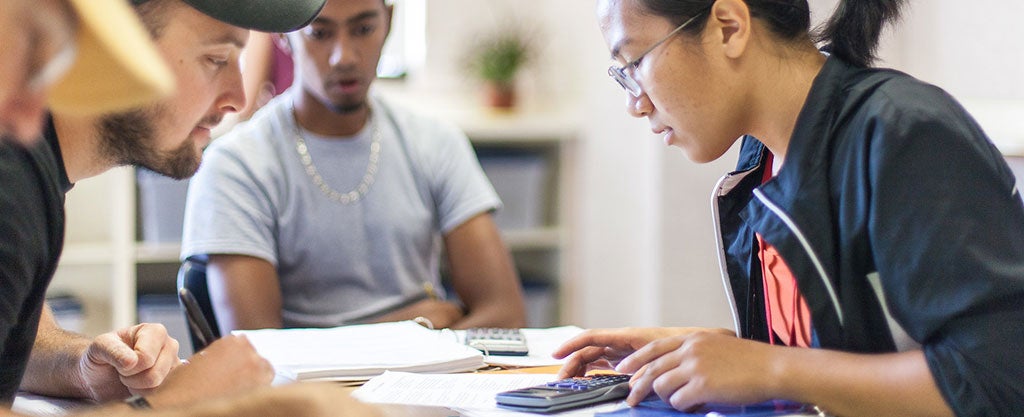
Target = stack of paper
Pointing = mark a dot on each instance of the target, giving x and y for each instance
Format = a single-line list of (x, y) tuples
[(357, 353)]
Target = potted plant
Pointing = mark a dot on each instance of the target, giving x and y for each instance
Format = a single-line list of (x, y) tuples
[(496, 60)]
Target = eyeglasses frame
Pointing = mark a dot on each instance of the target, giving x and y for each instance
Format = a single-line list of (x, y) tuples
[(626, 80)]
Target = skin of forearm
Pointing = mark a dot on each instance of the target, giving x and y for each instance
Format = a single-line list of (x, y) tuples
[(847, 384), (313, 399), (484, 276), (241, 320), (274, 404), (440, 313), (53, 366), (208, 409), (492, 315)]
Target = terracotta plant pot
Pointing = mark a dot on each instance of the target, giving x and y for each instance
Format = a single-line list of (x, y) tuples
[(499, 95)]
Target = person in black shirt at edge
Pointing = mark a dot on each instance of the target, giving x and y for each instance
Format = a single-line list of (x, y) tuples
[(70, 36), (871, 238), (56, 53)]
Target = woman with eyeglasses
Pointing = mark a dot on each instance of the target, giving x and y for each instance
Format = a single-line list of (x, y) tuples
[(871, 237)]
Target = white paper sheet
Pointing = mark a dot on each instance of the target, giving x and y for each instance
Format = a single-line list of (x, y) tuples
[(39, 405), (448, 390), (468, 394)]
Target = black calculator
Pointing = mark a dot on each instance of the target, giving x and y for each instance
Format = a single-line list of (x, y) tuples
[(497, 341), (566, 393)]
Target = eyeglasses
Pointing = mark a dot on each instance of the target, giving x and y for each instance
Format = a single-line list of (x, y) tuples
[(624, 74)]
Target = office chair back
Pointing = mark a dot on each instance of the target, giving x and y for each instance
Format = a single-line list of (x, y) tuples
[(192, 276)]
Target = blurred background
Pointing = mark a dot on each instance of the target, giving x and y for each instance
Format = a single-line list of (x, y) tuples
[(607, 225)]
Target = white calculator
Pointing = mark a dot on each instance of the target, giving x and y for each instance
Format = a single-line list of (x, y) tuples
[(497, 341)]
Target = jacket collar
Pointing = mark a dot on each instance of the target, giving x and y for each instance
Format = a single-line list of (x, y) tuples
[(801, 188)]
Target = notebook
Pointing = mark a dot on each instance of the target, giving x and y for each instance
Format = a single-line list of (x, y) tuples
[(360, 352)]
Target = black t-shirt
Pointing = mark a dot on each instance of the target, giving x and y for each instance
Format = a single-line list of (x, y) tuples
[(32, 186)]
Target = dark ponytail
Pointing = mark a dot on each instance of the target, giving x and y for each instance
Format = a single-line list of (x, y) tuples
[(853, 31)]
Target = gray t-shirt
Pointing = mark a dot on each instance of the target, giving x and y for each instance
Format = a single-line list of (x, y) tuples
[(337, 263)]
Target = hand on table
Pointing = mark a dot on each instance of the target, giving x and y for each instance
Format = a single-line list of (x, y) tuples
[(442, 314), (227, 366), (604, 348), (692, 369), (132, 360), (307, 399)]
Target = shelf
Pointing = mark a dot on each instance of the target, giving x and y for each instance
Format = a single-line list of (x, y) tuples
[(541, 238), (145, 253), (516, 128), (1001, 121), (91, 253), (543, 123), (157, 252), (1010, 149), (102, 253), (526, 239)]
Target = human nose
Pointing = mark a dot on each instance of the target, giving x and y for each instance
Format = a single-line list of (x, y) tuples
[(232, 99), (342, 54), (639, 106)]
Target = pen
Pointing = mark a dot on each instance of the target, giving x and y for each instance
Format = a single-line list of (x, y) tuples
[(200, 327)]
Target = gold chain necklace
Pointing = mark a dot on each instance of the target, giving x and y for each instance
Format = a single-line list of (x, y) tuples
[(369, 176)]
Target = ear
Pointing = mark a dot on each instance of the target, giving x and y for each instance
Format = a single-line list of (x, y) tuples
[(730, 23)]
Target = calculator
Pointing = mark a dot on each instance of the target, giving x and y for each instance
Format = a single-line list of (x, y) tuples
[(497, 341), (566, 393)]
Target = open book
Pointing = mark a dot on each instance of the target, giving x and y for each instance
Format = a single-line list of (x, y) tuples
[(359, 352)]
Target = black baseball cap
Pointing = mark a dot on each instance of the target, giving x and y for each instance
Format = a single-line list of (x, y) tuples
[(261, 15)]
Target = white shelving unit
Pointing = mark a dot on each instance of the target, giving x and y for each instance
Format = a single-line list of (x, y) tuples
[(102, 257), (98, 261), (543, 252)]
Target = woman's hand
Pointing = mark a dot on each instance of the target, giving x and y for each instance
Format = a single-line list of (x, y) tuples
[(604, 348), (692, 369)]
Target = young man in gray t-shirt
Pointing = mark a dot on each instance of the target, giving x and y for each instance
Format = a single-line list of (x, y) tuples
[(332, 205)]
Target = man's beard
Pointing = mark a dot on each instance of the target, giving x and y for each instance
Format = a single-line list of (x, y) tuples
[(129, 138), (346, 104), (347, 107)]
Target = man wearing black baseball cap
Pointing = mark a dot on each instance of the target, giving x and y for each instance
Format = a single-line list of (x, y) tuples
[(261, 15), (200, 41)]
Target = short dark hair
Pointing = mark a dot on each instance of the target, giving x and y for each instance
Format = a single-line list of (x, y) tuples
[(155, 14), (852, 33)]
